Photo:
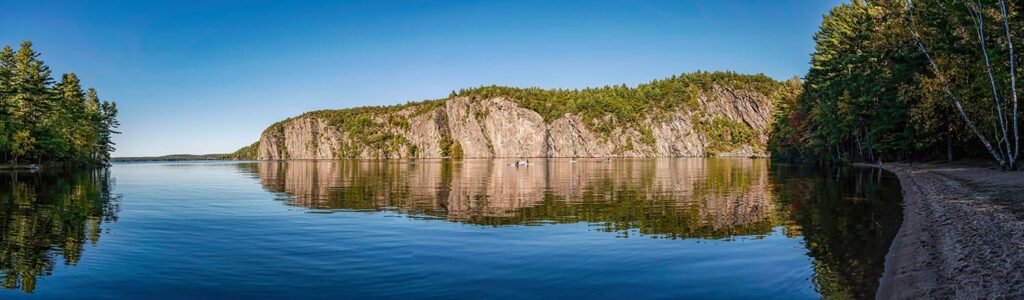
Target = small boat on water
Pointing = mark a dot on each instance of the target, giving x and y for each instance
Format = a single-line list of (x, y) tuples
[(520, 163)]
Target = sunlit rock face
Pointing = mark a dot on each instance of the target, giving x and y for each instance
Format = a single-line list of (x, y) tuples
[(500, 128), (666, 197)]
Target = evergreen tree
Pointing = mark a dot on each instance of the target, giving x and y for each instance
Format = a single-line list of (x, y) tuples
[(46, 122), (108, 122), (7, 125), (890, 82), (73, 124)]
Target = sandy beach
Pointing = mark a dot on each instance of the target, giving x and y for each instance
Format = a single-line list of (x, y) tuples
[(962, 235)]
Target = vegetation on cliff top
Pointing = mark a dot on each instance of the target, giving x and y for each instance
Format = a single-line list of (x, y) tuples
[(249, 152), (50, 123), (608, 108), (628, 105), (603, 109)]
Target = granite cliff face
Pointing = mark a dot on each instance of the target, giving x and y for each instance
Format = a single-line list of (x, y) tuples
[(485, 127)]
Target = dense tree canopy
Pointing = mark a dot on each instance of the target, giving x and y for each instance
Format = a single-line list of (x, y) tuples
[(48, 122), (907, 79)]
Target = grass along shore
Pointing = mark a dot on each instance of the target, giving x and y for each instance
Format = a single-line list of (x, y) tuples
[(962, 235)]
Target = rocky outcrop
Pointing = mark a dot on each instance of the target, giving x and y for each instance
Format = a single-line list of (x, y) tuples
[(472, 127)]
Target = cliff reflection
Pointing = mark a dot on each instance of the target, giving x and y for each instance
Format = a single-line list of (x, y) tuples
[(48, 217), (673, 198)]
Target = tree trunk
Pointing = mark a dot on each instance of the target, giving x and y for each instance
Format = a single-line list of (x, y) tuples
[(860, 148), (871, 146), (956, 101), (979, 21), (949, 142), (1013, 86)]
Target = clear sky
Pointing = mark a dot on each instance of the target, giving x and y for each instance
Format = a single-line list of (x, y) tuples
[(209, 76)]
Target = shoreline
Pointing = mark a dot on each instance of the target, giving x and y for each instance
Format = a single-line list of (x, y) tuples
[(962, 234), (160, 158)]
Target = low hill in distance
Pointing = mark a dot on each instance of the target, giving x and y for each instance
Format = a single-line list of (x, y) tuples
[(173, 157)]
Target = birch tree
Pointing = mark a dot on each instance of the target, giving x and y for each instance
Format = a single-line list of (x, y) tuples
[(1006, 150)]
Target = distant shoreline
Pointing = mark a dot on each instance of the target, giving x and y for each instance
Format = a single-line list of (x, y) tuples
[(172, 157), (226, 157), (961, 233)]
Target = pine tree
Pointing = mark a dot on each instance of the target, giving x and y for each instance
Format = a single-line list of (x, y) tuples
[(94, 118), (7, 124), (108, 122), (71, 121), (46, 122)]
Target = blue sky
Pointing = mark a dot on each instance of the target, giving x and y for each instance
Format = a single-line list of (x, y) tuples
[(209, 76)]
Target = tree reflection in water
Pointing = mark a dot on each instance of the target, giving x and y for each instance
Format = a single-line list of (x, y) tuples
[(48, 217), (672, 198), (847, 217)]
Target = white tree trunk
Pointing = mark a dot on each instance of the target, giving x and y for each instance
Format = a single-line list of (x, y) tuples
[(979, 22), (1013, 85), (956, 101)]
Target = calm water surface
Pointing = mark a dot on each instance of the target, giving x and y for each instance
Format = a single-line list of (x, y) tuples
[(628, 229)]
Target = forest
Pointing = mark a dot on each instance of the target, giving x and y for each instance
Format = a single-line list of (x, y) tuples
[(48, 122), (908, 80)]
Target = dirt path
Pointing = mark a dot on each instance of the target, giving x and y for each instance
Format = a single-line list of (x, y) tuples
[(962, 235)]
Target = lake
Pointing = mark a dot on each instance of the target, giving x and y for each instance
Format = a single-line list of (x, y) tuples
[(619, 229)]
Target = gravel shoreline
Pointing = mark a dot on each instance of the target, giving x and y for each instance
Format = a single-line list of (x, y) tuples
[(962, 235)]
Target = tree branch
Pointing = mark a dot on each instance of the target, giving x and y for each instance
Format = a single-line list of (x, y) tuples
[(979, 22), (945, 87)]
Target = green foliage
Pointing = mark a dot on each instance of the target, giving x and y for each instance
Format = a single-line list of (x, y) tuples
[(425, 106), (870, 94), (606, 108), (724, 134), (413, 150), (647, 136), (23, 144), (368, 127), (456, 150), (450, 148), (249, 152), (45, 122)]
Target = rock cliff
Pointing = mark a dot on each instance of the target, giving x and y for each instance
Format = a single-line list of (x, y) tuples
[(719, 120)]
